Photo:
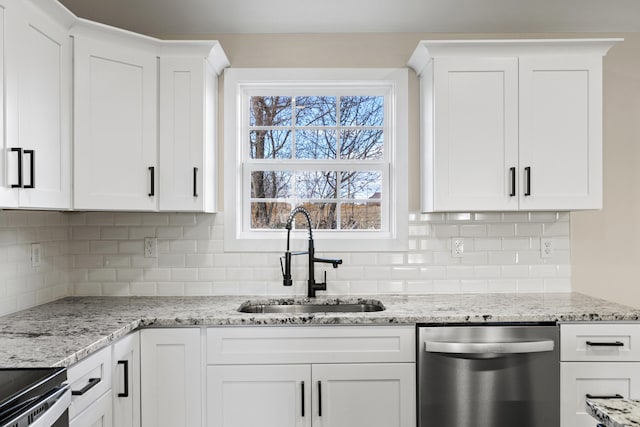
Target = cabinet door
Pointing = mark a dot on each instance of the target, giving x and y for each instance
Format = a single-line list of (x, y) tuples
[(44, 108), (96, 415), (475, 134), (596, 378), (115, 126), (561, 132), (171, 377), (126, 381), (364, 395), (36, 92), (185, 140), (259, 395)]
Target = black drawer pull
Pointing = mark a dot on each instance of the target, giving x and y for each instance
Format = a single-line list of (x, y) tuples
[(91, 384), (32, 171), (605, 344), (513, 182), (152, 172), (302, 387), (527, 171), (319, 399), (125, 364), (19, 151), (615, 396), (195, 182)]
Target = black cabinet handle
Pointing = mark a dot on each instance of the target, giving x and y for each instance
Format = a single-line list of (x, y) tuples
[(91, 384), (302, 387), (125, 364), (19, 151), (319, 398), (513, 182), (32, 166), (195, 182), (152, 171), (605, 344), (615, 396), (527, 171)]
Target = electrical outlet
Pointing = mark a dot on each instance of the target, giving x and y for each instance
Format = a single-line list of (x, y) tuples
[(150, 247), (546, 247), (457, 247), (36, 255)]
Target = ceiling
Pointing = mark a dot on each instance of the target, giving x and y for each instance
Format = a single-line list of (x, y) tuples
[(193, 17)]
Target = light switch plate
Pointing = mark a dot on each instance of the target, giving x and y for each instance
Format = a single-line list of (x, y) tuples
[(36, 255)]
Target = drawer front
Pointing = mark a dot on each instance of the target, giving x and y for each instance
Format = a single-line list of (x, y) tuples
[(600, 342), (598, 379), (92, 374), (98, 414), (330, 344)]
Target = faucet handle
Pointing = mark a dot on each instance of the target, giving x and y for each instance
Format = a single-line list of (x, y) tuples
[(286, 269)]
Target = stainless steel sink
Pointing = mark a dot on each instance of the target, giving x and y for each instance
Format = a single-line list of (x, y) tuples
[(304, 307)]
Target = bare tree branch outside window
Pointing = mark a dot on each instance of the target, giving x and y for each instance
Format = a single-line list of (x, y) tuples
[(327, 142)]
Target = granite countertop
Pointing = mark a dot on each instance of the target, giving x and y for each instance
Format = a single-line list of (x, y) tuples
[(65, 331), (615, 412)]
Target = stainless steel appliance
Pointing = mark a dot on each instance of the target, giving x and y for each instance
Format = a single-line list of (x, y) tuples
[(34, 397), (489, 376)]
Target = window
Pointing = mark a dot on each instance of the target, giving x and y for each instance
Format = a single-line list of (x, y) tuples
[(333, 141)]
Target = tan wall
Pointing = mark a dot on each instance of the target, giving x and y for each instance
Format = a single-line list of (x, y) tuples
[(605, 245)]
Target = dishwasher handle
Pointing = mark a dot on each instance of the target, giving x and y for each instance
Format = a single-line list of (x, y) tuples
[(488, 349)]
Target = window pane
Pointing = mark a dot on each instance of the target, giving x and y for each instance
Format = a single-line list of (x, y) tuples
[(270, 111), (360, 216), (271, 184), (269, 215), (362, 110), (270, 144), (316, 111), (360, 185), (362, 144), (315, 144), (323, 216), (316, 185)]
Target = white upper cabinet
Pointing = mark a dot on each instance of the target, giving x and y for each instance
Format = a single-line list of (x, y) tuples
[(37, 73), (116, 157), (145, 121), (511, 124), (188, 111)]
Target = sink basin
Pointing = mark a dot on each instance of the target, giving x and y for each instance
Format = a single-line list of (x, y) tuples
[(310, 307)]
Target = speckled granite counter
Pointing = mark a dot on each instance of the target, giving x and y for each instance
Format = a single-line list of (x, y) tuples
[(614, 412), (65, 331)]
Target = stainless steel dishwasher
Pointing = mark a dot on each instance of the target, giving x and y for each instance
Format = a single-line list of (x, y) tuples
[(489, 376)]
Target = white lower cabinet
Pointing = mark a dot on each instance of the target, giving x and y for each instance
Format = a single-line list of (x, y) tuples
[(264, 395), (311, 376), (96, 415), (598, 360), (126, 381), (171, 377), (90, 381)]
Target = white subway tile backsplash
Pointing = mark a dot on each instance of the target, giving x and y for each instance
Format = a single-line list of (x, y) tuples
[(101, 253)]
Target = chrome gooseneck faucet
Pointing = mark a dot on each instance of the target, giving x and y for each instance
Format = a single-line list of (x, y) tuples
[(312, 286)]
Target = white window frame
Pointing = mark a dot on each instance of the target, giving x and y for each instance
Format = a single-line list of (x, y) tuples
[(240, 83)]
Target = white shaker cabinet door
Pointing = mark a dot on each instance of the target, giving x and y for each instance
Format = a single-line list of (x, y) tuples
[(171, 377), (561, 132), (474, 143), (187, 96), (36, 92), (579, 379), (115, 126), (364, 395), (126, 381), (259, 395)]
